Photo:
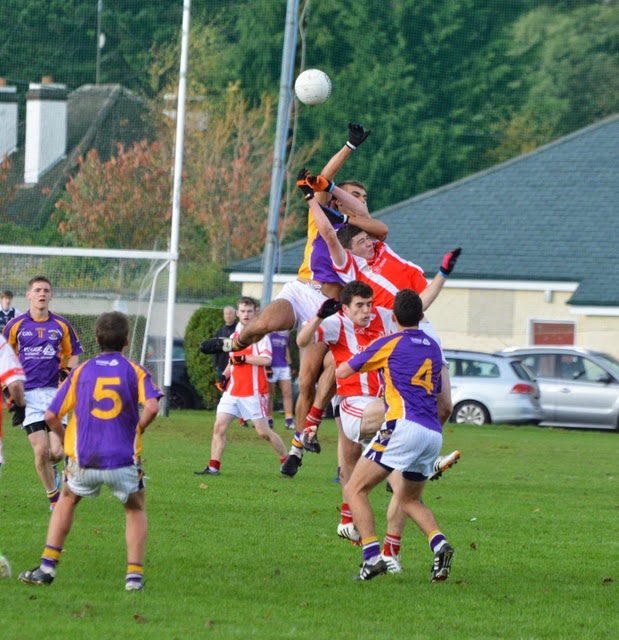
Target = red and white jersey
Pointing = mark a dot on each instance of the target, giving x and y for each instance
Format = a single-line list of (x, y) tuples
[(387, 274), (249, 379), (345, 339), (10, 371)]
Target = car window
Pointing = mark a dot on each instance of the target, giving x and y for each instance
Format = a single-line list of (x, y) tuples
[(178, 352), (541, 364), (522, 371), (592, 371), (473, 368)]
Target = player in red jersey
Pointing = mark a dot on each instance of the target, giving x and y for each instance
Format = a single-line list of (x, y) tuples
[(244, 386)]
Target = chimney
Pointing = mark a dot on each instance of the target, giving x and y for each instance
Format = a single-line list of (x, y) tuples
[(46, 128), (8, 119)]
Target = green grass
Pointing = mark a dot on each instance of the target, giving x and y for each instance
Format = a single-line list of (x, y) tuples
[(532, 514)]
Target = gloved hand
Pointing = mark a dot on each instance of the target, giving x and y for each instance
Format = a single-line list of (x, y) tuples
[(329, 307), (221, 383), (320, 183), (449, 262), (64, 374), (237, 359), (308, 192), (356, 135), (19, 415)]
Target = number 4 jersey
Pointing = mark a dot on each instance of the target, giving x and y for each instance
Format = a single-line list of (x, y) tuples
[(104, 394)]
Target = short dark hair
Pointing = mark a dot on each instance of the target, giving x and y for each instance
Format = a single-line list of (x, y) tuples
[(112, 330), (6, 294), (247, 300), (355, 288), (407, 308), (38, 279), (347, 234)]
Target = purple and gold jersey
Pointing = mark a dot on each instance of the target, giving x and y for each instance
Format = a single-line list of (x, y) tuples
[(411, 362), (316, 263), (104, 394), (41, 347), (280, 340)]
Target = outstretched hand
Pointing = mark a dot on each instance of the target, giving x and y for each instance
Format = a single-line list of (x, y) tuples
[(449, 261), (303, 184), (356, 135)]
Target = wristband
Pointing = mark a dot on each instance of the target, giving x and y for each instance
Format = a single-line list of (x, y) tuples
[(445, 275), (350, 146), (331, 187)]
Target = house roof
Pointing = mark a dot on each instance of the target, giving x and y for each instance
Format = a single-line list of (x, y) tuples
[(548, 215), (98, 116)]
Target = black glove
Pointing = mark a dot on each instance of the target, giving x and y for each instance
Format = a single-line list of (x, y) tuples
[(308, 192), (19, 414), (449, 262), (64, 374), (329, 307), (221, 383), (237, 359), (334, 217), (356, 135), (268, 370)]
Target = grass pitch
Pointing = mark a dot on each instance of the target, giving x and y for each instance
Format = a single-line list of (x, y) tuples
[(532, 514)]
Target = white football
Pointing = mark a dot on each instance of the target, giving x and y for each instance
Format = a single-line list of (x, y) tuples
[(312, 86)]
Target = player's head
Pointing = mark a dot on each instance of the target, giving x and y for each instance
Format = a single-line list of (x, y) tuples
[(7, 297), (229, 315), (246, 309), (356, 298), (39, 293), (407, 308), (358, 242), (112, 331)]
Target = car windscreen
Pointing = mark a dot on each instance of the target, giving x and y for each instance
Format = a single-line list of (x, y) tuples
[(609, 363)]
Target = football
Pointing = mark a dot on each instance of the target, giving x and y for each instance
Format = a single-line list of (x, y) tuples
[(312, 86)]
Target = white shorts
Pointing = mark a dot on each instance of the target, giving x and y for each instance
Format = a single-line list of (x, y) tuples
[(305, 299), (247, 407), (351, 415), (122, 482), (37, 402), (279, 373), (406, 446)]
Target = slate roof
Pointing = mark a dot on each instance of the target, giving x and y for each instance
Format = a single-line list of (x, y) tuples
[(549, 215), (98, 116)]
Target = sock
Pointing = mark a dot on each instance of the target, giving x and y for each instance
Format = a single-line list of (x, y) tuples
[(242, 422), (371, 549), (314, 418), (289, 420), (271, 425), (238, 344), (345, 513), (214, 464), (135, 573), (53, 496), (282, 460), (49, 559), (297, 446), (391, 545), (436, 540)]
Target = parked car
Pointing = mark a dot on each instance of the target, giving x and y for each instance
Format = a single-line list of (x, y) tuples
[(183, 395), (491, 388), (579, 387)]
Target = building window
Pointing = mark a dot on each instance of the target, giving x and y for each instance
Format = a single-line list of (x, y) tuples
[(556, 333)]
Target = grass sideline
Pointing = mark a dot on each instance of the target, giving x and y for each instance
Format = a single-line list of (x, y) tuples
[(531, 512)]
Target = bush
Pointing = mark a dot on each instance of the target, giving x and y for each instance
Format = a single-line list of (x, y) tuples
[(203, 375)]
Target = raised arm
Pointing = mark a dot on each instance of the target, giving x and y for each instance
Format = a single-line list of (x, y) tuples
[(356, 135), (430, 293), (306, 336)]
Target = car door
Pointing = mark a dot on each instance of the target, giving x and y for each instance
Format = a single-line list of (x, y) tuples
[(584, 395)]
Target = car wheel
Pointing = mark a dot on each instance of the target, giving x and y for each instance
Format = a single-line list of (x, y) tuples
[(179, 399), (470, 412)]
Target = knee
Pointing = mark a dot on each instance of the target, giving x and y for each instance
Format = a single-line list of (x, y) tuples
[(263, 431)]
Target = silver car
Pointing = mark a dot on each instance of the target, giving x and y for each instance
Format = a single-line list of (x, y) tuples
[(579, 387), (491, 388)]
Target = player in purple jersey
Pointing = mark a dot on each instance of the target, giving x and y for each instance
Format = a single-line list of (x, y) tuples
[(102, 443), (410, 438), (280, 372), (47, 347)]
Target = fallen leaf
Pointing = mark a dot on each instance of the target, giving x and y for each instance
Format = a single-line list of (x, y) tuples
[(606, 580), (536, 510), (138, 618), (203, 486), (460, 581), (277, 572), (96, 531), (473, 546), (209, 623)]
